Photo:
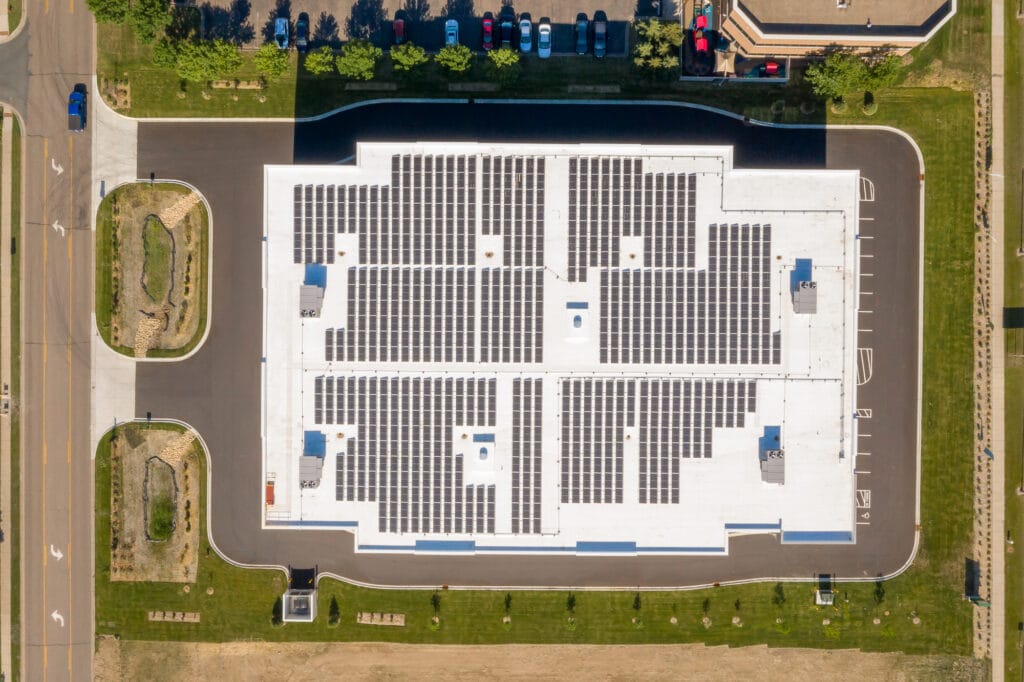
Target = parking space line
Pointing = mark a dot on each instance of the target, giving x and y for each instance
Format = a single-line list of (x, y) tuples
[(866, 274), (866, 312), (867, 255), (867, 293)]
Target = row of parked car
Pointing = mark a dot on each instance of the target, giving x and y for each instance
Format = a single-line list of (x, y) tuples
[(503, 32)]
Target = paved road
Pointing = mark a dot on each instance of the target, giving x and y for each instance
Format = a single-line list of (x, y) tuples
[(37, 71), (218, 392)]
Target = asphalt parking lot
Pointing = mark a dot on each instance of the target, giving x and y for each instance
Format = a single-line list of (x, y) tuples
[(251, 23), (218, 392)]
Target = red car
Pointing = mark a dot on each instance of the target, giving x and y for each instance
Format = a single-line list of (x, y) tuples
[(487, 26)]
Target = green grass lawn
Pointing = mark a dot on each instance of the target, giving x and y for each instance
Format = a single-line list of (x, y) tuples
[(157, 266), (15, 8), (12, 526)]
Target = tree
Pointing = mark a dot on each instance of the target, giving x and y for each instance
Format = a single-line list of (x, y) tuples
[(108, 11), (636, 602), (271, 61), (320, 61), (165, 53), (779, 596), (838, 74), (366, 19), (508, 602), (455, 59), (883, 73), (570, 603), (406, 57), (206, 60), (503, 65), (658, 46), (148, 17), (435, 601), (358, 60), (334, 612)]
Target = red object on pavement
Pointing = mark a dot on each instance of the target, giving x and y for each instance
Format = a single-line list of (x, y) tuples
[(771, 68), (702, 44), (702, 22)]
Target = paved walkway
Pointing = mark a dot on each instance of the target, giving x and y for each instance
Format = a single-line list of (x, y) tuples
[(5, 381), (998, 350)]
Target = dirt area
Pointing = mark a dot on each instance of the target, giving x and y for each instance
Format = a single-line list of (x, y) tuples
[(146, 315), (133, 555), (125, 660)]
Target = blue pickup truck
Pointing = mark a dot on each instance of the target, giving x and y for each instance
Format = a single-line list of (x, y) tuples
[(76, 110)]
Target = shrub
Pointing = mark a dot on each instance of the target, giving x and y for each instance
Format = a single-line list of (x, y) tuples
[(455, 58), (270, 61), (320, 61), (407, 57)]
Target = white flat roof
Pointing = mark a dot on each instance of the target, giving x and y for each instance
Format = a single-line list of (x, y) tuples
[(559, 348)]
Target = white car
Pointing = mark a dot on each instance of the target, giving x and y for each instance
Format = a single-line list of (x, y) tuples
[(451, 33), (544, 38), (525, 32)]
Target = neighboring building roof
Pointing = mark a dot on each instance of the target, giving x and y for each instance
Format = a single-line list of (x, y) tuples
[(797, 28)]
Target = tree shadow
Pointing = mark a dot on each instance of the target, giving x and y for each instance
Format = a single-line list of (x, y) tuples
[(416, 10), (366, 20), (326, 32), (230, 24), (458, 9), (282, 8), (185, 24)]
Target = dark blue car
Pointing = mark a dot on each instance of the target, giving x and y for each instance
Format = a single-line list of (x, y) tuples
[(76, 109)]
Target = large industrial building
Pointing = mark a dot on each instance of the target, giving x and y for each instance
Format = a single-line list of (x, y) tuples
[(526, 348)]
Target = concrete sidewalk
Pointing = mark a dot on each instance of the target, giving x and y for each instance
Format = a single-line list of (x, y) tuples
[(6, 175)]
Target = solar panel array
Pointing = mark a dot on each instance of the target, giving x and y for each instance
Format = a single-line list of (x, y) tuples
[(512, 315), (527, 397), (419, 293), (403, 314), (313, 224), (676, 421), (512, 206), (682, 316), (402, 457), (594, 414), (610, 198)]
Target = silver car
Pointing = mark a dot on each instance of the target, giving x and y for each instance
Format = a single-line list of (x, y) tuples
[(544, 38), (525, 32)]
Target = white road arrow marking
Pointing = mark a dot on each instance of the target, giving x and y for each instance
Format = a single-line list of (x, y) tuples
[(56, 166), (58, 228), (57, 618), (56, 553)]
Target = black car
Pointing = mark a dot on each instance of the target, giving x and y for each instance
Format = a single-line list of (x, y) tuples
[(600, 28), (302, 32), (582, 34), (506, 25)]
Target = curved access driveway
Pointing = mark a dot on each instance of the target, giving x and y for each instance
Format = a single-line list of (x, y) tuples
[(217, 390)]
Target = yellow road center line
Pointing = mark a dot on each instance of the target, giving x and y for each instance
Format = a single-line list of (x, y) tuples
[(46, 154), (71, 291)]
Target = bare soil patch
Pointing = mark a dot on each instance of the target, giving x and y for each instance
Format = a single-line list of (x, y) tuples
[(159, 267), (153, 472), (121, 659)]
